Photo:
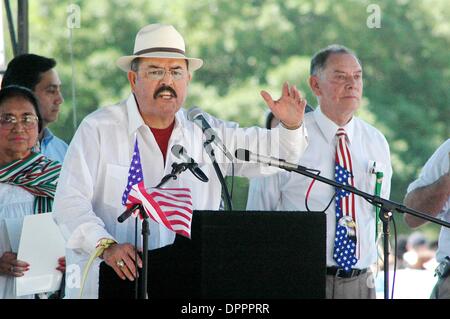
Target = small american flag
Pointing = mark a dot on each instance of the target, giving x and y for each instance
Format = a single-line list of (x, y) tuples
[(134, 174), (171, 207)]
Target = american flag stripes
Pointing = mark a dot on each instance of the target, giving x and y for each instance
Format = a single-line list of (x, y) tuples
[(171, 207)]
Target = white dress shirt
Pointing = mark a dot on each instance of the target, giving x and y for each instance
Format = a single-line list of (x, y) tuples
[(287, 191), (436, 166), (94, 175)]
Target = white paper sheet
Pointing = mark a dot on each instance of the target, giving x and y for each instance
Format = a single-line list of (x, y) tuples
[(14, 229), (41, 244)]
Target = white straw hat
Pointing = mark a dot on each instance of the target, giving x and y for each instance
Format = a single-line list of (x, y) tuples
[(158, 41)]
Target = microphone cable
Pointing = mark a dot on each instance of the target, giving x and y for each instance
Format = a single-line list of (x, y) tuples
[(309, 191)]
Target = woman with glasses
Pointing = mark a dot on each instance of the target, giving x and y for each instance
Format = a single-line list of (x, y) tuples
[(27, 179)]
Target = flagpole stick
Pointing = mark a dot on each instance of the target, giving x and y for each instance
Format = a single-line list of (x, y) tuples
[(145, 235), (177, 169), (136, 283)]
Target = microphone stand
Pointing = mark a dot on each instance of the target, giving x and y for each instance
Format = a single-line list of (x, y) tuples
[(209, 149), (386, 206), (177, 169)]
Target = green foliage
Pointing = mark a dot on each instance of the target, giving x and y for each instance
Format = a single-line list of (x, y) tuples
[(252, 45)]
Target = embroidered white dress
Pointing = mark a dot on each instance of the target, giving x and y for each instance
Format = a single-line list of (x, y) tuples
[(15, 202)]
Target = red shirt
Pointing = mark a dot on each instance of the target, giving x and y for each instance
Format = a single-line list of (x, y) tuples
[(162, 137)]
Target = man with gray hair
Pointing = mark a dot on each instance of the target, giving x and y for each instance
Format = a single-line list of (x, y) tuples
[(347, 149)]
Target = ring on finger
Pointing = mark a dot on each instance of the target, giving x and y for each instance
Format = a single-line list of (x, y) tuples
[(12, 269), (120, 263)]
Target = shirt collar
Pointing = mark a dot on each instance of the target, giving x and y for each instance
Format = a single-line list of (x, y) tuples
[(329, 128), (47, 135), (135, 120)]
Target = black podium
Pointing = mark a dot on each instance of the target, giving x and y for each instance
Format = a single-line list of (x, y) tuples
[(243, 255)]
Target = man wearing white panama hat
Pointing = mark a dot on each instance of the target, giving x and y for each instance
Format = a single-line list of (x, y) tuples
[(88, 198)]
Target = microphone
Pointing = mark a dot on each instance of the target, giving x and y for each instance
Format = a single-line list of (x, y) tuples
[(246, 155), (195, 115), (124, 216), (180, 152)]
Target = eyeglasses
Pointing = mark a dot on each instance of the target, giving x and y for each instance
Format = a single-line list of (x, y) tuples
[(8, 122), (159, 74)]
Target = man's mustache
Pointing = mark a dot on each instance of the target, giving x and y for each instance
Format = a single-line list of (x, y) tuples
[(164, 88)]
